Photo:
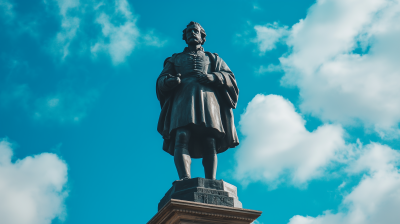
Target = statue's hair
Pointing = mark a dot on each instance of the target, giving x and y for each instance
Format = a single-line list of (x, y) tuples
[(202, 31)]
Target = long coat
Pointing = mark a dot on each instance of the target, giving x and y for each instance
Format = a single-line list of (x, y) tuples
[(193, 105)]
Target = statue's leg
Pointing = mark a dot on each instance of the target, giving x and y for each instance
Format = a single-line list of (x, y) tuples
[(181, 153), (210, 159)]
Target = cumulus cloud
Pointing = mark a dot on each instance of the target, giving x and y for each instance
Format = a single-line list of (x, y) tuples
[(278, 148), (269, 35), (69, 26), (32, 190), (119, 38), (376, 199), (344, 59), (120, 34)]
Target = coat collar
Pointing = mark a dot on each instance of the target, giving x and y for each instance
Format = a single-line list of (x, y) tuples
[(186, 50)]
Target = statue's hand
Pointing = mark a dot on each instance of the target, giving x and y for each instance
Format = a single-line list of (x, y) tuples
[(173, 81), (205, 78)]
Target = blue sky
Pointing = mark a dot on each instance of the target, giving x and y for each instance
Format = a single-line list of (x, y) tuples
[(318, 114)]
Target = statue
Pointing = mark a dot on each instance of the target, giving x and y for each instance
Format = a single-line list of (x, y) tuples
[(197, 92)]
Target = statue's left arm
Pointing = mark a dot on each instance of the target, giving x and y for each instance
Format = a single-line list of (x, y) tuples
[(226, 82)]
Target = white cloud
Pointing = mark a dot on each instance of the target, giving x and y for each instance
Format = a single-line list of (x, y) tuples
[(269, 68), (278, 148), (119, 38), (376, 199), (64, 38), (344, 59), (269, 35), (66, 5), (69, 26), (119, 34), (32, 190)]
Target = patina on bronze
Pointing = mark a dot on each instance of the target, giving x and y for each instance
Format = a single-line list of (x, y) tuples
[(197, 92)]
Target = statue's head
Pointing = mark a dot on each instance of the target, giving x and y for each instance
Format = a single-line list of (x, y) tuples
[(194, 34)]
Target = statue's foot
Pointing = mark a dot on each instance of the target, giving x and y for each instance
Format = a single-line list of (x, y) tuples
[(185, 178)]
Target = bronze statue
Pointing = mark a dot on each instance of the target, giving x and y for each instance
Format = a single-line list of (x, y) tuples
[(197, 92)]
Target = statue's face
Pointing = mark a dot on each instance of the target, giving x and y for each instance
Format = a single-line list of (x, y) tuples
[(193, 35)]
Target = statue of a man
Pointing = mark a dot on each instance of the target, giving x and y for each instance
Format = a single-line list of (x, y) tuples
[(197, 92)]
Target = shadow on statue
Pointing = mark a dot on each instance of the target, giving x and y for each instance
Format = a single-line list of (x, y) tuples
[(197, 93)]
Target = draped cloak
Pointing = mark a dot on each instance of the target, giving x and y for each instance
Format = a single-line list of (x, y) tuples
[(206, 109)]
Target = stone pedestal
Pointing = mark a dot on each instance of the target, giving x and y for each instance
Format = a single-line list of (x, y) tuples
[(189, 212), (202, 190)]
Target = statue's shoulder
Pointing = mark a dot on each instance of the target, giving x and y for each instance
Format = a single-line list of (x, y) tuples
[(171, 59), (213, 55)]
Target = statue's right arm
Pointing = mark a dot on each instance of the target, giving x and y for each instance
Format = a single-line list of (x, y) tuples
[(168, 78)]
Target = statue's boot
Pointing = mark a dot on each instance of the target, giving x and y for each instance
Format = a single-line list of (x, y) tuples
[(182, 162), (210, 159), (181, 153)]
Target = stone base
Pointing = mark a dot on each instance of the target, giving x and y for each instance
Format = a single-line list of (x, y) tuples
[(202, 190), (188, 212)]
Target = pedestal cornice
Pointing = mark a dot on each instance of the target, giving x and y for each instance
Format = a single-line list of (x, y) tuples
[(182, 212)]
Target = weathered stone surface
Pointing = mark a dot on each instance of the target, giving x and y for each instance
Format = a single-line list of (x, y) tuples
[(185, 212), (232, 192), (217, 192), (197, 93)]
